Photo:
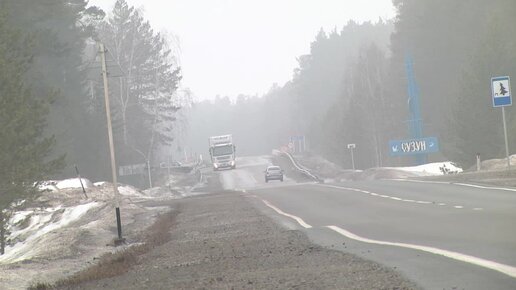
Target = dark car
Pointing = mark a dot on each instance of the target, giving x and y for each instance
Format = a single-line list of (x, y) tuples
[(273, 173)]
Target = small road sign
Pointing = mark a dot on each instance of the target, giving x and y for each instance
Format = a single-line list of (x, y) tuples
[(414, 146), (501, 91), (133, 169), (352, 146)]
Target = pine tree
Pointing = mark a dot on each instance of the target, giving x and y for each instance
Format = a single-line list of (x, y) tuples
[(144, 96), (24, 150)]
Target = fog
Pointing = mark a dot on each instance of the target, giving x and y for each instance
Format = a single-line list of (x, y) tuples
[(425, 73)]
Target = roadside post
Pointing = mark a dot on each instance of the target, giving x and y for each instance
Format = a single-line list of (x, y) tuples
[(501, 93), (351, 147), (478, 161), (80, 180)]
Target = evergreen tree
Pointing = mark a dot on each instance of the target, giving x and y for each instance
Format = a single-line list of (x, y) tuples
[(24, 151)]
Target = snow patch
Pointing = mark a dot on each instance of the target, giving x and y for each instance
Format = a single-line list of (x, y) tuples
[(41, 223), (430, 169), (74, 183)]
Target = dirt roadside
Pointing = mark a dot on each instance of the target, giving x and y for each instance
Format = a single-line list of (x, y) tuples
[(221, 241)]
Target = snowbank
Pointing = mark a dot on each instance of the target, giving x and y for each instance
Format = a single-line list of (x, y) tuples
[(74, 183), (40, 223), (431, 169)]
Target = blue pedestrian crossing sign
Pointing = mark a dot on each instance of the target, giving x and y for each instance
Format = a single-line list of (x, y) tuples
[(501, 89)]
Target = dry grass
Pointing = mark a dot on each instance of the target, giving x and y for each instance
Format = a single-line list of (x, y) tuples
[(114, 264)]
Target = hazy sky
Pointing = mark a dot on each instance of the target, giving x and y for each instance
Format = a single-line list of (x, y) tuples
[(230, 47)]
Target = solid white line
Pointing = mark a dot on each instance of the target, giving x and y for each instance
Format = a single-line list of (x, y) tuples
[(456, 183), (418, 181), (506, 269), (297, 219), (485, 187)]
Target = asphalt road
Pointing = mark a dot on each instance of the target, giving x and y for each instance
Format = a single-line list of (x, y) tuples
[(442, 236)]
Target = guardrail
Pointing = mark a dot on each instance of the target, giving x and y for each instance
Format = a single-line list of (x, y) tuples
[(301, 168)]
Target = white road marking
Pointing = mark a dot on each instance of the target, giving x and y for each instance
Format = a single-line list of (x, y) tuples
[(456, 183), (478, 208), (418, 181), (391, 197), (408, 200), (297, 219), (485, 187), (505, 269)]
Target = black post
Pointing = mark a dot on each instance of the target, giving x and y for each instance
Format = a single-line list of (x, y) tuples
[(119, 224), (80, 180)]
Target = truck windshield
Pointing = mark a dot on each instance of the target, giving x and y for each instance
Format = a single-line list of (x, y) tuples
[(223, 150)]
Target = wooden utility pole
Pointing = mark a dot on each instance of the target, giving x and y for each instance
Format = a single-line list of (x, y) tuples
[(102, 52)]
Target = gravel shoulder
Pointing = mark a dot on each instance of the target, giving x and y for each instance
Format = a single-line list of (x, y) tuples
[(222, 241)]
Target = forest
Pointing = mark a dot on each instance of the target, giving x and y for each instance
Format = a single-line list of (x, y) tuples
[(352, 88)]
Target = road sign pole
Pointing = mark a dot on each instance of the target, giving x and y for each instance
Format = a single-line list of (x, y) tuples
[(506, 141), (352, 159)]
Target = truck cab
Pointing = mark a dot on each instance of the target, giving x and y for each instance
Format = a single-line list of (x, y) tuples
[(222, 152)]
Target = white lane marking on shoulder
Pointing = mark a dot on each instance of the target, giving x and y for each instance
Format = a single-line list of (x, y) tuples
[(506, 269), (418, 181), (408, 200), (373, 194), (396, 198), (297, 219), (485, 187), (423, 202)]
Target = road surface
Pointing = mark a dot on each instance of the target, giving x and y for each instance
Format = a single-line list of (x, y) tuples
[(442, 236)]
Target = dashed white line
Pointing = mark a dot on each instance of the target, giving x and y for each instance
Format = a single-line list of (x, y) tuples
[(388, 196), (458, 206), (478, 208), (297, 219), (505, 269)]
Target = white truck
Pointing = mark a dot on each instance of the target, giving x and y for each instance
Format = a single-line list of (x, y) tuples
[(222, 152)]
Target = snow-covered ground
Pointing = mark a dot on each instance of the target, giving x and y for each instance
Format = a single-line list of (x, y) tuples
[(430, 169), (61, 231)]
